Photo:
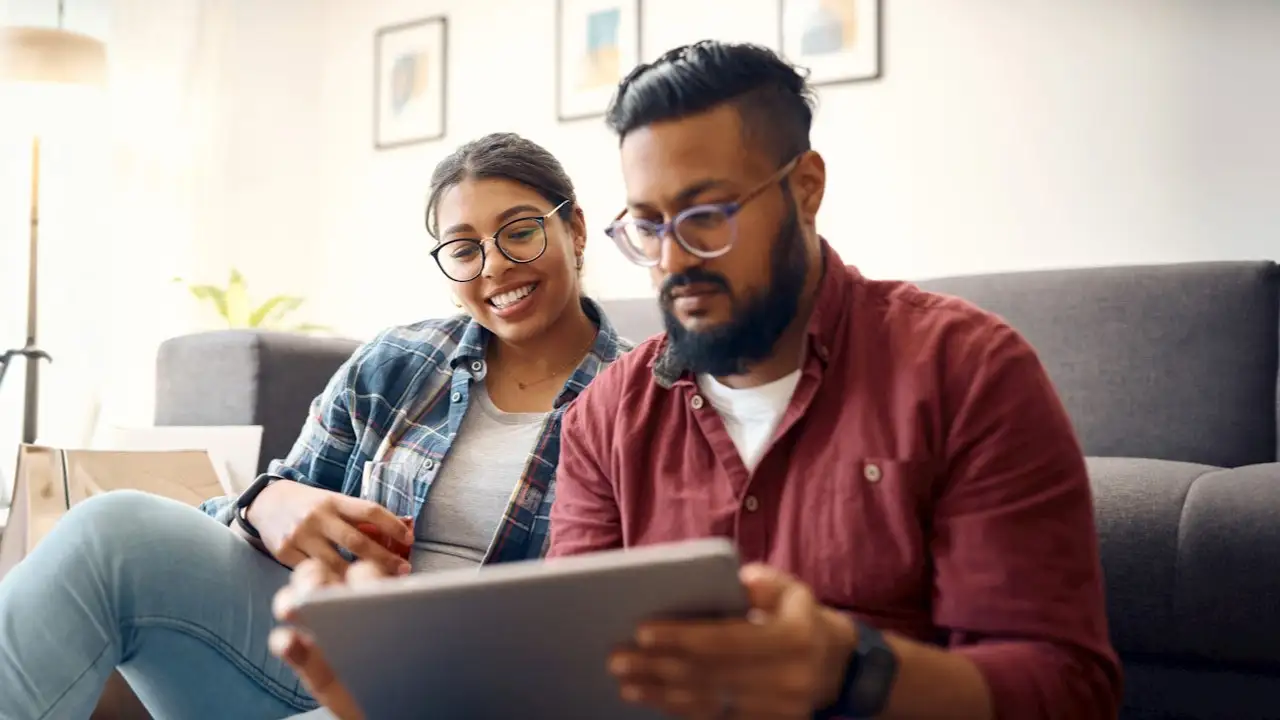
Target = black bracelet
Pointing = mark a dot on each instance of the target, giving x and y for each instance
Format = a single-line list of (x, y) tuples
[(244, 523)]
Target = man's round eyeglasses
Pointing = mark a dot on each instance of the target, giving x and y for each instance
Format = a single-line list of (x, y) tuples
[(522, 240), (705, 231)]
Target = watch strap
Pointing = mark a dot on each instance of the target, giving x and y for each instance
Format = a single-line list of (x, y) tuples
[(246, 499), (868, 677)]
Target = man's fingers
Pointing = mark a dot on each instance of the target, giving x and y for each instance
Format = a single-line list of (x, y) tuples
[(718, 639), (765, 586), (314, 671), (359, 510), (363, 573)]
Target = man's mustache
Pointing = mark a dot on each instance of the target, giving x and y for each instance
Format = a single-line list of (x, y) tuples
[(692, 276)]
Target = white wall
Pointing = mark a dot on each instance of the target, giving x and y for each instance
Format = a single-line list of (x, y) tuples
[(1003, 136)]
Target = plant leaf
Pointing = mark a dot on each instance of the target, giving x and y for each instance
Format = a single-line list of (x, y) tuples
[(215, 295), (274, 310), (237, 295)]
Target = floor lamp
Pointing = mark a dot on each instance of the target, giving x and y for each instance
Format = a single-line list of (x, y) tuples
[(43, 62)]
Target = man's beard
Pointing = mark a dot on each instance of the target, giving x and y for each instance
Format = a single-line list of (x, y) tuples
[(750, 334)]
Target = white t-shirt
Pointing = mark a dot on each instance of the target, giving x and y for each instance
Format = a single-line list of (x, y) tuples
[(751, 415)]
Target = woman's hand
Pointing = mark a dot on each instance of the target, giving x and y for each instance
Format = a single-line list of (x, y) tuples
[(298, 650), (298, 522)]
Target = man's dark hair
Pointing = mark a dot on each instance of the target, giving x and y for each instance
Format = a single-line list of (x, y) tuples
[(771, 95), (504, 156)]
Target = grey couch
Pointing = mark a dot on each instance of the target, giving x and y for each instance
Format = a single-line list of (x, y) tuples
[(1170, 375)]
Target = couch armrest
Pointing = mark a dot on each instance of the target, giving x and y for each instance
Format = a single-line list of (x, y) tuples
[(1192, 559), (246, 377)]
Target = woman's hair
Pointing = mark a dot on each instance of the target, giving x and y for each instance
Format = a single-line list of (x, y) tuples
[(504, 156)]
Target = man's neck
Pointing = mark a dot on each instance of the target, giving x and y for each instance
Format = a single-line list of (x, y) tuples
[(563, 342)]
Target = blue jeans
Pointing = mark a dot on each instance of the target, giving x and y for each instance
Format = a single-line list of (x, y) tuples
[(180, 603)]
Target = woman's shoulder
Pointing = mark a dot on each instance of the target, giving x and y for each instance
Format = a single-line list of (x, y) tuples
[(426, 342)]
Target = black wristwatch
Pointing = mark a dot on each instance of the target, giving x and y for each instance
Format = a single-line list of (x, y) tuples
[(246, 499), (868, 678)]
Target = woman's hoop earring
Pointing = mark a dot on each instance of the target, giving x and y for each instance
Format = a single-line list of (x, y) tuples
[(578, 262)]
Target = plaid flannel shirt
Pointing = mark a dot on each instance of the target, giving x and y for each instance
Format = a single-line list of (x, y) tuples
[(390, 414)]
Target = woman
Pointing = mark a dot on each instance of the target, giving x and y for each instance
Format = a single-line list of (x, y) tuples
[(462, 407)]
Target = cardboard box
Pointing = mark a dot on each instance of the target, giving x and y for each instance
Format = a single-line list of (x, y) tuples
[(51, 480)]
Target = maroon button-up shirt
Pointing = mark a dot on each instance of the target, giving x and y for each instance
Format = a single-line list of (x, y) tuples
[(924, 477)]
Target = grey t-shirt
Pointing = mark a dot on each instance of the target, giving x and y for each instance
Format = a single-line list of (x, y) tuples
[(470, 495)]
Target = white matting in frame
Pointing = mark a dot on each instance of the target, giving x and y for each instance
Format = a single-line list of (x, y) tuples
[(411, 63), (838, 41), (597, 44)]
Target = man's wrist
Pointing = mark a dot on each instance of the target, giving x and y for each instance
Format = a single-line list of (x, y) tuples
[(843, 634)]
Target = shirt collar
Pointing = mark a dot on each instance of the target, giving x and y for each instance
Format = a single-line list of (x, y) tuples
[(829, 310), (606, 348)]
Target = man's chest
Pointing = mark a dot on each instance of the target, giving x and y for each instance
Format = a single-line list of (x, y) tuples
[(844, 508)]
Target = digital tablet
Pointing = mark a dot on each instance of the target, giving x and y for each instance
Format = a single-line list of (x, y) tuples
[(527, 640)]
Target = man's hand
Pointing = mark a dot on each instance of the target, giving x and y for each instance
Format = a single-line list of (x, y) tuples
[(785, 661), (296, 648)]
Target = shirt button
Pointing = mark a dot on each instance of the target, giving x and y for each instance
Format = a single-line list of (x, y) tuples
[(751, 503), (456, 397), (871, 472), (696, 402), (429, 464), (477, 366)]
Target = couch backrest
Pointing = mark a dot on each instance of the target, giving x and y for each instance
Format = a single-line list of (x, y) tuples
[(1175, 362), (635, 319)]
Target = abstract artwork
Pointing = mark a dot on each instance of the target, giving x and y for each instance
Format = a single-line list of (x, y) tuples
[(838, 41), (597, 44), (410, 76)]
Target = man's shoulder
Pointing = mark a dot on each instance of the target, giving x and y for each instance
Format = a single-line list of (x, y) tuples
[(629, 374), (923, 320)]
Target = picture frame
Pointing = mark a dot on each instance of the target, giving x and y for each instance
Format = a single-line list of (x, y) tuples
[(597, 45), (838, 41), (410, 81)]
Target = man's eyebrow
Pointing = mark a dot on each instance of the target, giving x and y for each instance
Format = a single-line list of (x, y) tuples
[(686, 196), (503, 216)]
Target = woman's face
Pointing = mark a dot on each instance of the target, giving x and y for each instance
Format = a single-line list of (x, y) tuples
[(515, 301)]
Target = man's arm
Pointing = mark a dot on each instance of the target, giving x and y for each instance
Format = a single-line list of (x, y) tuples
[(585, 516), (1017, 574)]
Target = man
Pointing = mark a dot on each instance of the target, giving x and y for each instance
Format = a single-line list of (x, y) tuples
[(894, 466)]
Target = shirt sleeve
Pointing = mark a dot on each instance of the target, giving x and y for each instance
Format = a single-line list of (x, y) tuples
[(585, 516), (1018, 576), (321, 453)]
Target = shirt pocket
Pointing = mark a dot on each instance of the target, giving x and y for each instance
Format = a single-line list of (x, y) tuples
[(393, 485), (878, 559)]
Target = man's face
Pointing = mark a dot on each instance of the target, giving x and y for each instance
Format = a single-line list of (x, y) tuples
[(724, 313)]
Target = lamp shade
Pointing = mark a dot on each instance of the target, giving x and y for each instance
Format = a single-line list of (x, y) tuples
[(46, 55)]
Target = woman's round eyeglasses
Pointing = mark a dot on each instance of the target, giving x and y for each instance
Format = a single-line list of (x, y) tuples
[(521, 241), (705, 231)]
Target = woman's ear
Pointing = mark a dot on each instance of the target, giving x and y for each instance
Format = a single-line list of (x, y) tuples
[(578, 229)]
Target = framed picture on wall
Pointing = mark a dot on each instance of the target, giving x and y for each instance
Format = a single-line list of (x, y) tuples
[(837, 40), (410, 73), (597, 44)]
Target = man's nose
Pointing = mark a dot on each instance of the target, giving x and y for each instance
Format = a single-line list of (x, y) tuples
[(673, 258)]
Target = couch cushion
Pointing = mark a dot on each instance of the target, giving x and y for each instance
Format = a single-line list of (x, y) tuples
[(246, 377), (635, 319), (1192, 560), (1177, 362)]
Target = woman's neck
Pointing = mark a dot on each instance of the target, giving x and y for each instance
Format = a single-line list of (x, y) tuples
[(557, 349)]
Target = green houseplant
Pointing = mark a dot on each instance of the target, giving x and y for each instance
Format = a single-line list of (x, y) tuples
[(234, 306)]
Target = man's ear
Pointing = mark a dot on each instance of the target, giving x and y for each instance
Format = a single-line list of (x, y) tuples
[(809, 184)]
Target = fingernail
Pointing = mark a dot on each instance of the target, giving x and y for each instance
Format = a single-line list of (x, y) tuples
[(645, 638), (404, 569), (631, 693), (619, 665)]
